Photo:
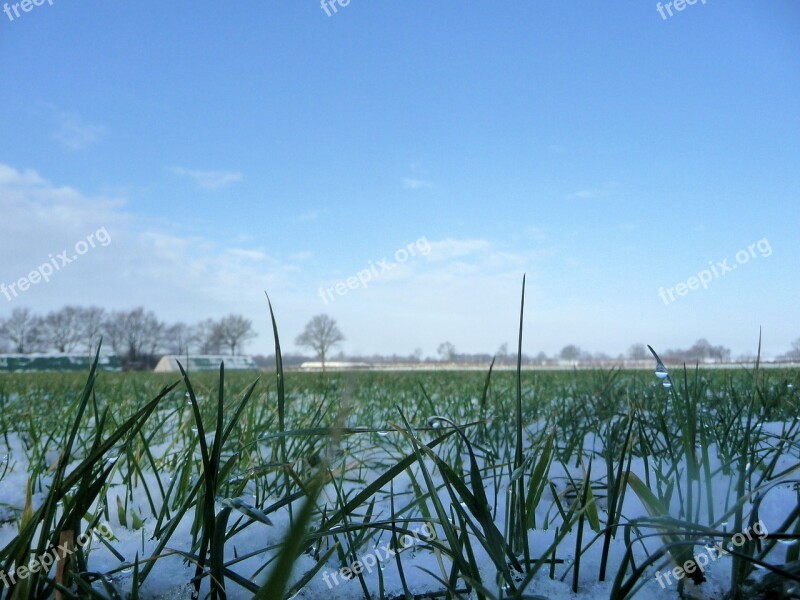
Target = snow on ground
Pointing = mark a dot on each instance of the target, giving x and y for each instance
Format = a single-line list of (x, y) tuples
[(168, 579)]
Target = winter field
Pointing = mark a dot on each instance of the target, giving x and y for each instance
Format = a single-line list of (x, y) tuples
[(400, 485)]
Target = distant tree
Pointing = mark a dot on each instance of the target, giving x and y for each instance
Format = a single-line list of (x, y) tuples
[(447, 351), (570, 352), (136, 335), (720, 353), (701, 350), (502, 353), (541, 358), (112, 332), (638, 352), (90, 323), (154, 336), (61, 329), (320, 335), (417, 355), (795, 351), (235, 331), (177, 338), (23, 331), (206, 337)]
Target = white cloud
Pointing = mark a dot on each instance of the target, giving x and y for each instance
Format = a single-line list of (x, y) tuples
[(593, 193), (209, 180), (76, 134), (11, 177), (449, 248), (256, 255), (415, 184), (311, 215), (183, 278)]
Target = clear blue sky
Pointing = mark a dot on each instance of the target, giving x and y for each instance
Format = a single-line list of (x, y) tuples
[(234, 148)]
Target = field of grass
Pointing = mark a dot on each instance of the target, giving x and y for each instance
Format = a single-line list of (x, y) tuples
[(400, 485)]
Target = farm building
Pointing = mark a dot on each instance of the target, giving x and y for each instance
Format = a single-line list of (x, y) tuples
[(169, 364), (30, 363), (334, 365)]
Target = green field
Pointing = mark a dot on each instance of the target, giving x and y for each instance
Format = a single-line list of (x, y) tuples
[(225, 491)]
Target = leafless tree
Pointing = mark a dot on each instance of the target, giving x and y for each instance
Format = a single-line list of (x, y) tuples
[(136, 335), (113, 334), (24, 331), (61, 329), (447, 351), (205, 337), (178, 338), (235, 331), (638, 352), (320, 335), (90, 322), (570, 352), (502, 354)]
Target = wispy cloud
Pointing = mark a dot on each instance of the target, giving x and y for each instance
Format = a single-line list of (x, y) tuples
[(76, 134), (210, 180), (182, 276), (415, 184), (311, 215), (536, 233), (593, 193)]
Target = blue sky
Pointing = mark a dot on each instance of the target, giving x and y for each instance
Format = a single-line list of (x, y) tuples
[(232, 149)]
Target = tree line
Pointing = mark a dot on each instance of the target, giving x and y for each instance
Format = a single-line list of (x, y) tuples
[(137, 336)]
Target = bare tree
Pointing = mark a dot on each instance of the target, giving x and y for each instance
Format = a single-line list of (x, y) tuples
[(136, 335), (638, 352), (177, 338), (701, 350), (721, 354), (502, 353), (570, 352), (113, 333), (61, 329), (447, 351), (154, 335), (320, 335), (24, 331), (205, 337), (90, 322), (235, 331)]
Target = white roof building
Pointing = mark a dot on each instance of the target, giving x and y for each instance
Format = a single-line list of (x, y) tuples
[(334, 365), (169, 364)]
